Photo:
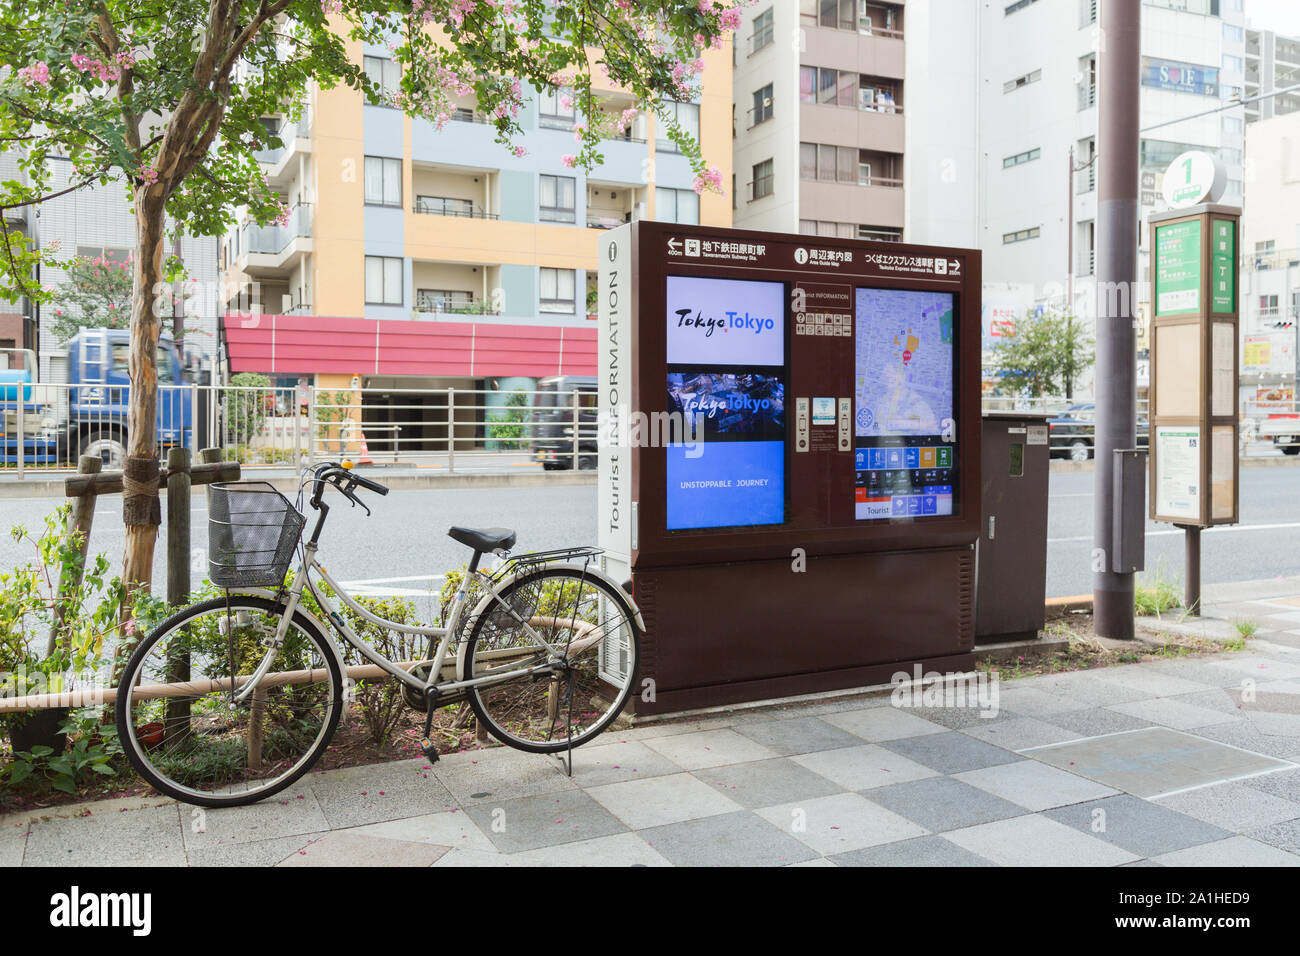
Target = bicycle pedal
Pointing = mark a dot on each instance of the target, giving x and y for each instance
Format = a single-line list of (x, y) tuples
[(429, 749)]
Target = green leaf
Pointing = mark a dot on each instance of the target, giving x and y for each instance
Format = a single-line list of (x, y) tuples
[(65, 784), (40, 750), (20, 771), (105, 769)]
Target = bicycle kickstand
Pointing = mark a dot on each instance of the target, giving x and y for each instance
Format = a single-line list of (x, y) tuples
[(427, 747)]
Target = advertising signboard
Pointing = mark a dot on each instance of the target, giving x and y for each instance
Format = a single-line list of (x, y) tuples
[(1180, 77)]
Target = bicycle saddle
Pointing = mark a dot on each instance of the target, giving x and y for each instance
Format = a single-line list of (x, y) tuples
[(484, 539)]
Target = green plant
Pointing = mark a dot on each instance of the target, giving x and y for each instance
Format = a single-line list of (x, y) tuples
[(244, 407), (1047, 355), (1155, 594), (509, 429), (91, 751), (38, 599), (1245, 626), (96, 295)]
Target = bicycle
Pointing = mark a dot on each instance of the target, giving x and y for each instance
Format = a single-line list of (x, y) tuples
[(234, 698)]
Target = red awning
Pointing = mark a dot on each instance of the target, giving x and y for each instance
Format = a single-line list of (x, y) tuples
[(310, 344)]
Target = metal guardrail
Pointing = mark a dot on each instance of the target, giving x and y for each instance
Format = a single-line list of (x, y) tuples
[(260, 425)]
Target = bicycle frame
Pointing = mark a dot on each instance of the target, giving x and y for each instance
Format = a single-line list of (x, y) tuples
[(443, 635)]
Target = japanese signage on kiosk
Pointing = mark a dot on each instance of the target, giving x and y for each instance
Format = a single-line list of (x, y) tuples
[(768, 398), (1193, 395)]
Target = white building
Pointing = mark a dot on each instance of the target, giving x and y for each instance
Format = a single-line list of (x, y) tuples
[(1024, 94), (1270, 260), (96, 221), (1272, 64)]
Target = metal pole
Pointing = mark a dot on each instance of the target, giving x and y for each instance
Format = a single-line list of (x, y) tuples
[(1116, 277), (1192, 569), (451, 431)]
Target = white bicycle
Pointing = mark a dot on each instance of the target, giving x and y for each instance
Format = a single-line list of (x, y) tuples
[(235, 698)]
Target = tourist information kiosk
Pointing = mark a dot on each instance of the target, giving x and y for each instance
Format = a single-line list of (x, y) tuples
[(789, 462)]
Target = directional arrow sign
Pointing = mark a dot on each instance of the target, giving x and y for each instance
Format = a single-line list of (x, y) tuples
[(674, 244)]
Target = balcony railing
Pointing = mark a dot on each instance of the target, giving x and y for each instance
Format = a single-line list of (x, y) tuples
[(289, 131), (273, 239), (442, 206), (444, 304)]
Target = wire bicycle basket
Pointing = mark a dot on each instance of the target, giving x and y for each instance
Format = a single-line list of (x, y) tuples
[(252, 533)]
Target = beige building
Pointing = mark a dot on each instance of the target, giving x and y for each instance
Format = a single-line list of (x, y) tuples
[(818, 118)]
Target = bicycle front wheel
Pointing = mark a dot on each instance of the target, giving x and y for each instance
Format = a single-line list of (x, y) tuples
[(539, 698), (189, 731)]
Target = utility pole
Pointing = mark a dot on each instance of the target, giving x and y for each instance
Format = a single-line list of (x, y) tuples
[(1117, 243)]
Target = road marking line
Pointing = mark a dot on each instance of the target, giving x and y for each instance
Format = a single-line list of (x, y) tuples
[(1221, 529)]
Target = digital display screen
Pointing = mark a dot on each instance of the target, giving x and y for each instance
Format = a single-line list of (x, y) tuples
[(905, 436), (726, 403)]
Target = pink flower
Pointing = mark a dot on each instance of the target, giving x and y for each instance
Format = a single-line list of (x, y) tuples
[(568, 160), (38, 74), (710, 179), (520, 152)]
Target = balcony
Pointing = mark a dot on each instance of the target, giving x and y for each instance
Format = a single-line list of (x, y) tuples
[(451, 302), (447, 206), (274, 248), (295, 138)]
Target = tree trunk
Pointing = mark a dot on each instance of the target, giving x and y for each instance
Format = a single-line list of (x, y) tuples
[(141, 512)]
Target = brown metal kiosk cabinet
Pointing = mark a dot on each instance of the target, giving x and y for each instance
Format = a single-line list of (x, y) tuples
[(790, 457), (1011, 566)]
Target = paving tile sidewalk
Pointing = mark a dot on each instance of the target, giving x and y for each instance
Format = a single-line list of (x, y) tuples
[(1179, 762)]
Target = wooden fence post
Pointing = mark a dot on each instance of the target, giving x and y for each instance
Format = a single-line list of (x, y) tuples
[(177, 720), (81, 519)]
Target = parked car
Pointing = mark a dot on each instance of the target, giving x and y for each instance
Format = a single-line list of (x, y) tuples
[(1072, 434), (561, 399)]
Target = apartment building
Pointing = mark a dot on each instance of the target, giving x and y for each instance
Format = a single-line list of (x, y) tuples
[(1272, 64), (419, 258), (819, 112)]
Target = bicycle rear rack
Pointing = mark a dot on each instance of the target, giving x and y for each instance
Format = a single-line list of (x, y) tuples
[(534, 559)]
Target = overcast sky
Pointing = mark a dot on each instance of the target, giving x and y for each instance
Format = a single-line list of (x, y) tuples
[(1280, 16)]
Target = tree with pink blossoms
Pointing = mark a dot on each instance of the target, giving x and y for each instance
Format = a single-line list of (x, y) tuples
[(168, 100)]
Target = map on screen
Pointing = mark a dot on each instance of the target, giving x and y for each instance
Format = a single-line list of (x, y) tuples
[(904, 362)]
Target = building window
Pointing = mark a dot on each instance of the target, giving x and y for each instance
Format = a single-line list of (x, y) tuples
[(1231, 64), (762, 109), (828, 163), (557, 199), (1018, 6), (383, 181), (557, 290), (687, 116), (1020, 235), (109, 253), (1087, 87), (552, 113), (385, 74), (1020, 81), (1233, 34), (828, 87), (677, 205), (763, 184), (880, 233), (383, 280), (763, 32), (1018, 159), (1087, 12)]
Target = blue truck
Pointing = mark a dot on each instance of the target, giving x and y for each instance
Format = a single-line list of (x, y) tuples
[(87, 413)]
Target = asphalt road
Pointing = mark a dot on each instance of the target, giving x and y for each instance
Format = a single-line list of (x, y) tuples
[(403, 548)]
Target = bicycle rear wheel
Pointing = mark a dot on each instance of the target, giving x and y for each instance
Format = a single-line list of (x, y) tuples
[(577, 692), (185, 731)]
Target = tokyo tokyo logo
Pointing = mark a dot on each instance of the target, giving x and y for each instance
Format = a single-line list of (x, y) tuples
[(728, 322)]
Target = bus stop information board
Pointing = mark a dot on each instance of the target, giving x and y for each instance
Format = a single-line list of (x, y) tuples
[(1194, 366), (789, 444)]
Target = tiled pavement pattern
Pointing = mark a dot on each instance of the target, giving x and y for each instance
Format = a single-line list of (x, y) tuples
[(1180, 762)]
